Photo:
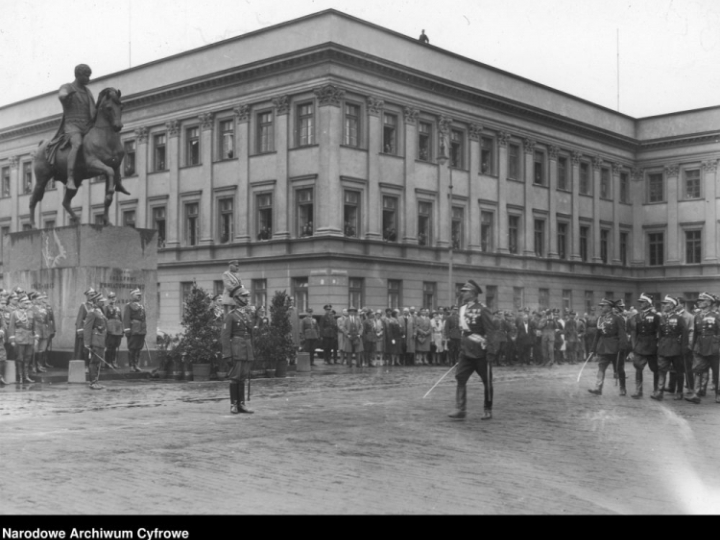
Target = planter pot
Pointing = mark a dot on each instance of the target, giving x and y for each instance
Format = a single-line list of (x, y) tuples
[(188, 370), (178, 372), (270, 373), (281, 368), (201, 372)]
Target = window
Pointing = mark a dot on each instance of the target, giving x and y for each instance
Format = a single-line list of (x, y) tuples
[(390, 133), (567, 299), (394, 293), (27, 184), (300, 293), (610, 295), (543, 298), (27, 227), (356, 292), (158, 217), (562, 168), (628, 299), (227, 139), (192, 224), (389, 223), (513, 233), (605, 183), (226, 215), (305, 212), (129, 162), (99, 218), (50, 224), (265, 132), (589, 301), (351, 137), (584, 242), (487, 155), (692, 184), (429, 295), (693, 247), (424, 223), (456, 234), (539, 237), (259, 292), (218, 287), (514, 162), (159, 142), (584, 178), (656, 248), (562, 229), (486, 231), (351, 213), (264, 216), (656, 191), (456, 149), (306, 124), (604, 245), (185, 290), (539, 168), (192, 146), (458, 292), (624, 188), (491, 293), (4, 231), (128, 218), (518, 297), (5, 182), (424, 144), (624, 241)]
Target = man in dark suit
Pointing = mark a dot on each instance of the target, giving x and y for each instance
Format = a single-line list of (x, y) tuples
[(328, 333), (86, 306), (525, 338)]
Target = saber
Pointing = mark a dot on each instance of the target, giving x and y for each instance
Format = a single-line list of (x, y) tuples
[(102, 360), (590, 355), (147, 349), (441, 378)]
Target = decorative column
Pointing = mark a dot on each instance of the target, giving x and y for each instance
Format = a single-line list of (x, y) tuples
[(141, 169), (243, 196), (709, 169), (473, 236), (552, 250), (373, 223), (328, 192), (375, 106), (443, 187), (282, 146), (14, 162), (529, 145), (174, 218), (673, 240), (502, 220), (575, 186), (637, 195), (206, 198), (597, 164), (616, 260)]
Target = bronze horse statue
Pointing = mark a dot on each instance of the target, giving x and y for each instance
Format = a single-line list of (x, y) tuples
[(101, 153)]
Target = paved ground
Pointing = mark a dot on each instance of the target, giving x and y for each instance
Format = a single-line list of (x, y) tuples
[(351, 441)]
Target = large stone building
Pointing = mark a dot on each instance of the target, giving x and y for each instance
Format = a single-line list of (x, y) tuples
[(313, 152)]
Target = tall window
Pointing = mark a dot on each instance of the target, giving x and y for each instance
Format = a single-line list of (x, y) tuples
[(356, 292), (4, 231), (692, 184), (300, 293), (693, 247), (99, 219), (389, 223), (518, 297), (562, 168), (604, 183), (562, 229), (192, 224), (218, 287), (27, 227), (27, 178), (429, 294), (259, 292), (629, 299), (227, 139), (192, 146), (394, 293), (129, 161), (50, 224), (456, 233), (305, 212), (351, 211), (5, 182), (424, 138), (424, 223), (226, 218), (656, 191), (584, 178), (390, 133), (491, 297), (624, 188), (456, 149), (158, 217), (264, 216), (486, 231), (567, 299), (352, 125), (306, 124), (584, 242), (656, 247), (539, 237), (160, 163), (539, 168), (128, 218), (604, 245), (513, 233), (514, 162), (589, 300), (624, 243), (544, 298), (487, 155), (265, 132)]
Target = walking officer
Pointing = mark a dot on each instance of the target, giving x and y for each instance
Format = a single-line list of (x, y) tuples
[(113, 314), (23, 337), (135, 328), (475, 322), (95, 337), (237, 348), (610, 339), (645, 340), (706, 344), (672, 343)]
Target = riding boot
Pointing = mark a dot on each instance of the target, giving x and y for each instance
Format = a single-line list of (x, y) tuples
[(656, 376), (598, 383), (45, 362), (119, 187), (704, 382), (672, 382), (461, 402), (38, 365), (25, 374), (623, 391), (679, 381), (660, 388), (241, 399), (638, 385), (234, 397), (694, 397)]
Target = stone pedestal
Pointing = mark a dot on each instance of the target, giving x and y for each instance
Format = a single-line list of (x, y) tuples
[(10, 373), (64, 262), (303, 362), (76, 372)]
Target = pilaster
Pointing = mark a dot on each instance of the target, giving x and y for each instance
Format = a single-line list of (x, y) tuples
[(673, 240), (502, 215), (637, 195), (442, 227), (473, 235), (206, 199), (174, 216), (709, 169), (14, 162), (575, 186), (328, 194), (141, 170), (282, 147), (243, 195), (529, 240), (596, 166), (552, 202), (616, 260)]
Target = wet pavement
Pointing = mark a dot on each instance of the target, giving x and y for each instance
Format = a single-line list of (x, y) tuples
[(356, 441)]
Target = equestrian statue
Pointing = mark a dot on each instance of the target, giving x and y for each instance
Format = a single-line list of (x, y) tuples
[(87, 144)]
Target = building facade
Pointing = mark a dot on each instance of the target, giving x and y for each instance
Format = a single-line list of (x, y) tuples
[(341, 161)]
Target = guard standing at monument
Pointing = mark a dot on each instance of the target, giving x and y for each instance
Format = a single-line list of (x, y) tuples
[(94, 337), (610, 339), (135, 328), (79, 351), (475, 323), (706, 346), (231, 280), (44, 327), (236, 338), (645, 340), (23, 336), (113, 314), (672, 342)]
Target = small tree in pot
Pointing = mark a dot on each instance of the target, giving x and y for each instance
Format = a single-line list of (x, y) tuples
[(273, 344)]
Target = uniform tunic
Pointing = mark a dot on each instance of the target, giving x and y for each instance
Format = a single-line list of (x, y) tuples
[(22, 333), (476, 323), (707, 341), (135, 325), (673, 336), (113, 314), (236, 338)]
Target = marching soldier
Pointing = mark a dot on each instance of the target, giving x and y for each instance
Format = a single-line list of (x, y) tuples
[(113, 314), (23, 336), (645, 340), (79, 351), (45, 329), (328, 333), (95, 337), (706, 344), (672, 342), (475, 323), (610, 339), (135, 328), (309, 333), (687, 355), (237, 348), (231, 280)]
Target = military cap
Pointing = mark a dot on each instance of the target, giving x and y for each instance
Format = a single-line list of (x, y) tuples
[(706, 296), (112, 295), (606, 302), (89, 292), (32, 295), (136, 292), (239, 291), (42, 296), (352, 308), (645, 298), (23, 298), (327, 306), (670, 300), (18, 290), (471, 286), (234, 263), (95, 296)]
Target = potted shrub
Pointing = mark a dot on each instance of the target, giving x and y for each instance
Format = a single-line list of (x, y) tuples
[(201, 339), (273, 343)]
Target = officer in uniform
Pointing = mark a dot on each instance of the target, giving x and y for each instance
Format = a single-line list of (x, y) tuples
[(113, 314), (50, 330), (236, 338), (309, 333), (135, 328), (231, 280), (591, 323), (44, 328), (645, 340), (706, 344), (328, 333), (610, 339), (95, 337), (475, 322), (687, 355), (8, 307), (3, 338), (453, 335), (23, 336), (671, 344), (80, 324)]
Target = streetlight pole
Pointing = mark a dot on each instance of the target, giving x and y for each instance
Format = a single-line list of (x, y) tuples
[(442, 159)]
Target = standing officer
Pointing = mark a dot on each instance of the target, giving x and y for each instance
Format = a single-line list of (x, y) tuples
[(687, 354), (670, 347), (80, 324), (44, 328), (231, 280), (352, 329), (3, 335), (610, 339), (706, 346), (548, 325), (8, 307), (23, 336), (135, 327), (309, 333), (95, 337), (475, 322), (113, 314), (328, 333), (645, 339), (237, 348)]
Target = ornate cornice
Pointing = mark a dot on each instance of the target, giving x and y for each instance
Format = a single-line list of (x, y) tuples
[(576, 157), (242, 112), (597, 162), (411, 115), (636, 173), (709, 166), (475, 132), (206, 120), (529, 145), (375, 105), (503, 138), (444, 123), (329, 95), (173, 128), (13, 161), (672, 170), (141, 134), (553, 152), (282, 105)]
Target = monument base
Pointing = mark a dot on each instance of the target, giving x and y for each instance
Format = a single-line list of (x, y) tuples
[(76, 372)]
